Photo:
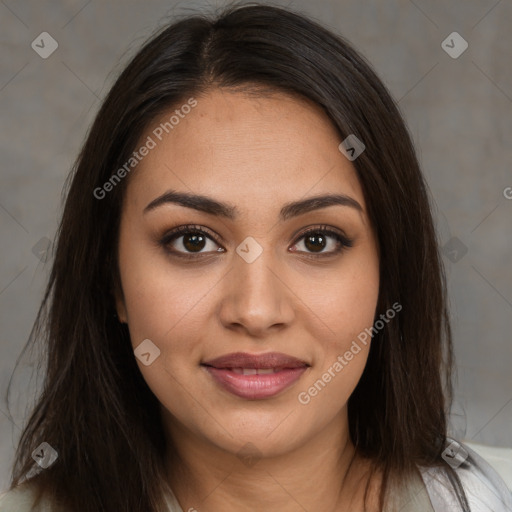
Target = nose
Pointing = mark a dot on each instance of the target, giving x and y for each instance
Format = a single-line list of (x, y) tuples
[(256, 297)]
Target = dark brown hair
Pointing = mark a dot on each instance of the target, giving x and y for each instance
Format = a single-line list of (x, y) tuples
[(95, 408)]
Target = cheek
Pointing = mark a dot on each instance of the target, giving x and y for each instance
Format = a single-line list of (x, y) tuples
[(348, 305), (168, 307), (346, 301), (162, 308), (339, 367), (158, 299)]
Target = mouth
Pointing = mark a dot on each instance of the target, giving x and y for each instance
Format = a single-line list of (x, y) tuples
[(255, 371), (255, 376)]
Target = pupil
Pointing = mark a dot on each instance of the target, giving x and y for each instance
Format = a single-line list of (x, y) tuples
[(192, 242), (318, 242)]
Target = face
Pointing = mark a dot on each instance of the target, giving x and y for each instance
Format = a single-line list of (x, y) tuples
[(248, 271)]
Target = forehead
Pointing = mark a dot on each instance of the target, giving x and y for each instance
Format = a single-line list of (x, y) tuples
[(254, 147)]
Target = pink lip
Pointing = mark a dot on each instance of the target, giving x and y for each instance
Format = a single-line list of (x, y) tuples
[(253, 387)]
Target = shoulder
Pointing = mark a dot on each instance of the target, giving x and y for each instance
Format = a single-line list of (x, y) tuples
[(20, 499), (484, 489)]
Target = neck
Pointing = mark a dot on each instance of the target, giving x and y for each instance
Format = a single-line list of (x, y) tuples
[(325, 473)]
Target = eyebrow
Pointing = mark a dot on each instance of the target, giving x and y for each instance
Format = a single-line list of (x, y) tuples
[(213, 207)]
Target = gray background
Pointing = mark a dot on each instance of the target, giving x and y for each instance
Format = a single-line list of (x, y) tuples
[(459, 112)]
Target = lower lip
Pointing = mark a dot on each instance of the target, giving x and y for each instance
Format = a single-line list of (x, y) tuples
[(254, 387)]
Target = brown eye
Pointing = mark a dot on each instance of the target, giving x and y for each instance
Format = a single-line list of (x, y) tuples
[(317, 239), (189, 241), (315, 242), (193, 242)]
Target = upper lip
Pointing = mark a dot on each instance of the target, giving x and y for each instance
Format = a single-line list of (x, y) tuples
[(258, 361)]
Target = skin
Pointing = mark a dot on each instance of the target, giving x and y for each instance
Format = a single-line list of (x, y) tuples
[(255, 153)]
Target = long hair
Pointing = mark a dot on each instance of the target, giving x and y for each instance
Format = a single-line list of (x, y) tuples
[(95, 408)]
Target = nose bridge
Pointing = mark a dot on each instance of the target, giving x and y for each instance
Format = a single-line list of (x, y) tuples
[(255, 297)]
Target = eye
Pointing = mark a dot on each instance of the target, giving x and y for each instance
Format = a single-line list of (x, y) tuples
[(192, 241), (187, 241), (316, 239)]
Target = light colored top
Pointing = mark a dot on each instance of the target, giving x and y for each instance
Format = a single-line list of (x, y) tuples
[(485, 491), (499, 458)]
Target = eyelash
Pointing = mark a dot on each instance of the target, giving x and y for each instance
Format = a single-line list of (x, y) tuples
[(176, 233)]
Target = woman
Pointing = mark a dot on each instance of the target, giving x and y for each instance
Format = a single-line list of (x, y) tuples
[(247, 309)]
